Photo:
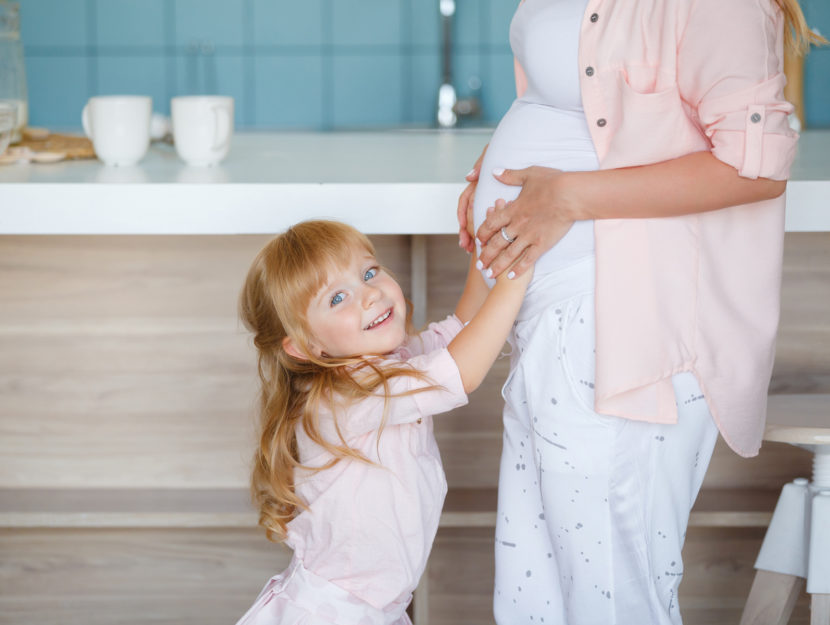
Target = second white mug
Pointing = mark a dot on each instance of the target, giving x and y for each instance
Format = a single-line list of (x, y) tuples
[(119, 127), (202, 128)]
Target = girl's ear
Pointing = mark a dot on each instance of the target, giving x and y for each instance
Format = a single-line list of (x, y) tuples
[(292, 350)]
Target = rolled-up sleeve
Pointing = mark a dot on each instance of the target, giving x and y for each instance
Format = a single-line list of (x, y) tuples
[(730, 70)]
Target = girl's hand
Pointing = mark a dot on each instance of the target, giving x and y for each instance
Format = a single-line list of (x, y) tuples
[(536, 220), (465, 207)]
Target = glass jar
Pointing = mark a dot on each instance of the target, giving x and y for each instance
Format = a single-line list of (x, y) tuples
[(12, 70)]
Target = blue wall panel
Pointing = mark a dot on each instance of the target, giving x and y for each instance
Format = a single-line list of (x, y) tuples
[(216, 21), (288, 91), (130, 23), (55, 22), (275, 25), (318, 64), (366, 23), (60, 85), (367, 90), (817, 68)]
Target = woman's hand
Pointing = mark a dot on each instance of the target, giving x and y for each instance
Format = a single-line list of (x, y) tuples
[(465, 206), (535, 221)]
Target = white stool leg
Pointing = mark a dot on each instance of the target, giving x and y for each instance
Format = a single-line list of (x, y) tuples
[(818, 575), (820, 610), (782, 562), (785, 546)]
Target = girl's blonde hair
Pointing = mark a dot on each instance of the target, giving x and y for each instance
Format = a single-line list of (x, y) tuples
[(797, 35), (283, 278)]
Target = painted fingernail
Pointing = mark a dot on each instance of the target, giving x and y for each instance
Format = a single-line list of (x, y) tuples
[(511, 275), (470, 173), (498, 171), (479, 265), (489, 272)]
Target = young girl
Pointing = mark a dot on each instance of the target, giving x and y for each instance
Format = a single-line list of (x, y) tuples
[(347, 472)]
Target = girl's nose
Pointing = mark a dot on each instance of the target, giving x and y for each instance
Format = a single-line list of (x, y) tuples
[(371, 295)]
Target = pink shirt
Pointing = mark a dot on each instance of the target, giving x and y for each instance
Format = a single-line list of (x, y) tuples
[(369, 528), (661, 79)]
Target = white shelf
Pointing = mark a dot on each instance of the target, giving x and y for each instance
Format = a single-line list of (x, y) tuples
[(381, 182)]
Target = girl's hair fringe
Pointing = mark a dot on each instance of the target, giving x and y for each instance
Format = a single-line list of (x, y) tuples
[(283, 277)]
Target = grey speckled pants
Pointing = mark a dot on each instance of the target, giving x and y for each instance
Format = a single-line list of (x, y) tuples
[(592, 509)]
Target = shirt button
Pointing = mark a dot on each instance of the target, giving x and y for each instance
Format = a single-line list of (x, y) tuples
[(601, 122), (589, 71), (756, 117), (594, 17)]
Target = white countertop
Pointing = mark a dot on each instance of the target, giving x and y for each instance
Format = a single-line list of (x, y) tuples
[(382, 182)]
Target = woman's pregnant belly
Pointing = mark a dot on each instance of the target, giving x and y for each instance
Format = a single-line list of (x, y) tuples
[(536, 134)]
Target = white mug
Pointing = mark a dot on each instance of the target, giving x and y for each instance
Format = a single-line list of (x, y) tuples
[(202, 128), (119, 126)]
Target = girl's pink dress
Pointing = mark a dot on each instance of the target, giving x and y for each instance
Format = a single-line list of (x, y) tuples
[(362, 545)]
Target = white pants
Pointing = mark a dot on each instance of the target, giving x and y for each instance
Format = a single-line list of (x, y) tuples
[(592, 509)]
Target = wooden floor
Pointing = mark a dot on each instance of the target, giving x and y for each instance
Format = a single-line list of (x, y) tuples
[(210, 576)]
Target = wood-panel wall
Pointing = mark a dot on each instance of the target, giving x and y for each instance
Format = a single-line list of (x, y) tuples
[(122, 364)]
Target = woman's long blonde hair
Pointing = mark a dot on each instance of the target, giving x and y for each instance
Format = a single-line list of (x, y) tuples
[(797, 35), (283, 278)]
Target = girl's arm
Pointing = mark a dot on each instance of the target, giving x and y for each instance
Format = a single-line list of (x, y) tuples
[(489, 315), (551, 200)]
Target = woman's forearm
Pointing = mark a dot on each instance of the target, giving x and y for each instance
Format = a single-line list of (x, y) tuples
[(551, 200), (694, 183)]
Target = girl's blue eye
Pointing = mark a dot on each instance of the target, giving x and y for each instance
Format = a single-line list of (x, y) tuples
[(338, 297), (371, 273)]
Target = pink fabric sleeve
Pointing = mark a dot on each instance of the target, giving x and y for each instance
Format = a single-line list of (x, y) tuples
[(366, 415), (437, 335), (730, 70)]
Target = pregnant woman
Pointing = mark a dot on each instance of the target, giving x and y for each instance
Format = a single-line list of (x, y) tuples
[(644, 164)]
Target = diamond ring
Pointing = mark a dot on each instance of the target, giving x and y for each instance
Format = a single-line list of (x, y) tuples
[(505, 236)]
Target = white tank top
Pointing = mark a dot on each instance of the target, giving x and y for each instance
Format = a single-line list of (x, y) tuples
[(547, 125)]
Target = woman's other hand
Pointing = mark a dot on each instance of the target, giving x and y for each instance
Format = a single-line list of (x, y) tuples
[(535, 221), (465, 206)]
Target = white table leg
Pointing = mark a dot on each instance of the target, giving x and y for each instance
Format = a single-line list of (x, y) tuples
[(418, 258)]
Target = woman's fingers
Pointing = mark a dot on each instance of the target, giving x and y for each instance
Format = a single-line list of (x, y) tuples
[(463, 214), (512, 177), (465, 206), (497, 216), (493, 242), (526, 260)]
